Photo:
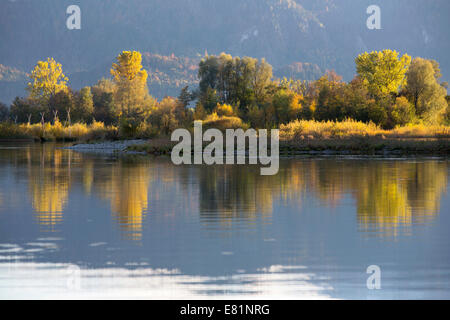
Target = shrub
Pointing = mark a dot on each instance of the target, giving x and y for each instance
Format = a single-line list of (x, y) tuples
[(402, 112), (223, 123), (224, 110)]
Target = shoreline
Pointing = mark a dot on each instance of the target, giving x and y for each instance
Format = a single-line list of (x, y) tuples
[(375, 146)]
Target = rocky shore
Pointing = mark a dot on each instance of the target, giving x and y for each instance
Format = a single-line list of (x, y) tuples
[(108, 147)]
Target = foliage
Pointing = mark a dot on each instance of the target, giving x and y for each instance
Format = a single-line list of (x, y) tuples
[(225, 110), (4, 112), (383, 71), (233, 80), (402, 112), (47, 79), (301, 129), (103, 100), (168, 115), (58, 131), (131, 94), (424, 90), (84, 106), (388, 93), (223, 123)]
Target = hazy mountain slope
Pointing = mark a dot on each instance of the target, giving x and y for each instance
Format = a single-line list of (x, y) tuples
[(326, 33)]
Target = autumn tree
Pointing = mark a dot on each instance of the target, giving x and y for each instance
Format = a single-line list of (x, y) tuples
[(383, 71), (46, 80), (424, 90), (164, 116), (287, 105), (401, 113), (131, 95)]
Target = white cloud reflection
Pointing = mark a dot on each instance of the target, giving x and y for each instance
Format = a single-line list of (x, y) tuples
[(28, 280)]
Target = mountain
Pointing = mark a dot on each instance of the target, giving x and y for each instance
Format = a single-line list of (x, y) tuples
[(323, 33), (12, 83)]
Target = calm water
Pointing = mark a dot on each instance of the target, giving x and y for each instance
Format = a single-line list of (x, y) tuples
[(82, 225)]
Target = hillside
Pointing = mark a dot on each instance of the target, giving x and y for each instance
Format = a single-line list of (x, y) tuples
[(323, 33)]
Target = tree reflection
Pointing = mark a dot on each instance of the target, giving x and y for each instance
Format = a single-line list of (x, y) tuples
[(49, 181), (387, 194), (127, 189)]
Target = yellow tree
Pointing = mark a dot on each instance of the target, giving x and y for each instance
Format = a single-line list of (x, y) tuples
[(131, 95), (383, 71), (47, 79)]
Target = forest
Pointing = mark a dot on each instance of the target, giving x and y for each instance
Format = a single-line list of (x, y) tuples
[(390, 94)]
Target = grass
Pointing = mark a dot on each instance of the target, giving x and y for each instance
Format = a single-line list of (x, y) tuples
[(157, 146), (309, 129), (355, 137), (223, 122), (300, 136), (51, 132)]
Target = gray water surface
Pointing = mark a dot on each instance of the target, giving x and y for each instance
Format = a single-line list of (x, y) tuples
[(77, 225)]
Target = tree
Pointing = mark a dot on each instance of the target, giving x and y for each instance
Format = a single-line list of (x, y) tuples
[(61, 106), (84, 106), (447, 113), (232, 80), (163, 116), (402, 112), (383, 71), (131, 95), (209, 99), (47, 79), (24, 111), (424, 90), (185, 96), (103, 98), (4, 112), (260, 80), (329, 90), (287, 105)]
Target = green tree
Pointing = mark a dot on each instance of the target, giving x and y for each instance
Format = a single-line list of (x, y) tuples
[(330, 97), (185, 96), (233, 80), (24, 111), (383, 71), (4, 112), (61, 106), (401, 113), (103, 98), (425, 91), (209, 99), (84, 107)]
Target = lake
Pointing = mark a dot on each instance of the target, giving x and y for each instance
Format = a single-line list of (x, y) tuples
[(78, 225)]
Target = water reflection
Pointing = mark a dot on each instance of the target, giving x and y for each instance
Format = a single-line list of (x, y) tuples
[(386, 194), (127, 188), (49, 175), (53, 281)]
